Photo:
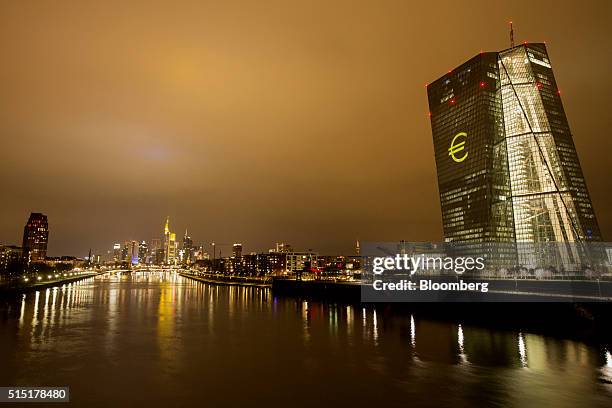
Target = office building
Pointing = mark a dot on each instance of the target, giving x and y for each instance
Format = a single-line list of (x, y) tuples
[(35, 238), (508, 170), (295, 261), (237, 250), (116, 252), (11, 260), (187, 249), (170, 253), (143, 253)]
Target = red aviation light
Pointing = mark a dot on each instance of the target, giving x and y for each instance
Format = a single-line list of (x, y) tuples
[(452, 101), (482, 84)]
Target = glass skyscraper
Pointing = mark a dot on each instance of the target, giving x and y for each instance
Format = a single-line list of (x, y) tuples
[(508, 171)]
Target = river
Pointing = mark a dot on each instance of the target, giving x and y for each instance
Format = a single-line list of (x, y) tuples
[(158, 339)]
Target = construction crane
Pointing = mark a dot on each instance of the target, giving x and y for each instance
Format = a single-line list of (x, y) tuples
[(215, 244)]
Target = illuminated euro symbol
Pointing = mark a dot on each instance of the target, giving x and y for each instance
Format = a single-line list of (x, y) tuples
[(456, 148)]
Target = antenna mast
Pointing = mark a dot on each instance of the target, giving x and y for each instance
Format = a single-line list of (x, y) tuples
[(511, 36)]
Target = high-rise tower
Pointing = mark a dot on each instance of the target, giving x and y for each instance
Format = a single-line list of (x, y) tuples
[(35, 238), (169, 244), (237, 250), (507, 167), (187, 248)]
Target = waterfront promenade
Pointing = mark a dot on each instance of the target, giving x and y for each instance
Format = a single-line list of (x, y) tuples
[(43, 281), (228, 279)]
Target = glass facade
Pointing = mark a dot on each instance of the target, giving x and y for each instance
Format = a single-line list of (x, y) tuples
[(507, 167)]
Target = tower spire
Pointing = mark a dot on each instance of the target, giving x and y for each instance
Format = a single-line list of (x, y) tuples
[(511, 35)]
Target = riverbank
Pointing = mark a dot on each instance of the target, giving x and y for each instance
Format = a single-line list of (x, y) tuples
[(25, 287), (318, 289), (228, 280)]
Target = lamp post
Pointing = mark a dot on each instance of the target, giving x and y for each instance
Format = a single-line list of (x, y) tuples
[(214, 255)]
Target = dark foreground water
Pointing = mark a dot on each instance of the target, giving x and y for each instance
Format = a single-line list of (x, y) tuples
[(162, 340)]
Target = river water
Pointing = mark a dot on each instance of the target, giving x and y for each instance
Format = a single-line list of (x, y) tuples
[(157, 339)]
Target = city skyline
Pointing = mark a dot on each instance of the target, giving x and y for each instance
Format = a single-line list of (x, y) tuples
[(241, 145)]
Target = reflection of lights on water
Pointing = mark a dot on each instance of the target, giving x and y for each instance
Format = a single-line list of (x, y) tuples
[(46, 306), (333, 317), (522, 349), (460, 341), (364, 321), (606, 369), (412, 331), (305, 310), (349, 321), (35, 316), (23, 298), (375, 328), (54, 297)]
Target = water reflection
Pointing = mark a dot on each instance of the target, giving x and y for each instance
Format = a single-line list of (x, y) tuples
[(522, 350), (174, 336), (606, 370)]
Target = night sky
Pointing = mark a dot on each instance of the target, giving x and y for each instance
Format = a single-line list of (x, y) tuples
[(260, 121)]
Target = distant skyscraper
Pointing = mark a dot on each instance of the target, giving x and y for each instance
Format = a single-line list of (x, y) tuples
[(507, 167), (157, 251), (169, 244), (133, 252), (125, 251), (143, 252), (116, 252), (187, 248), (35, 238), (237, 250)]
